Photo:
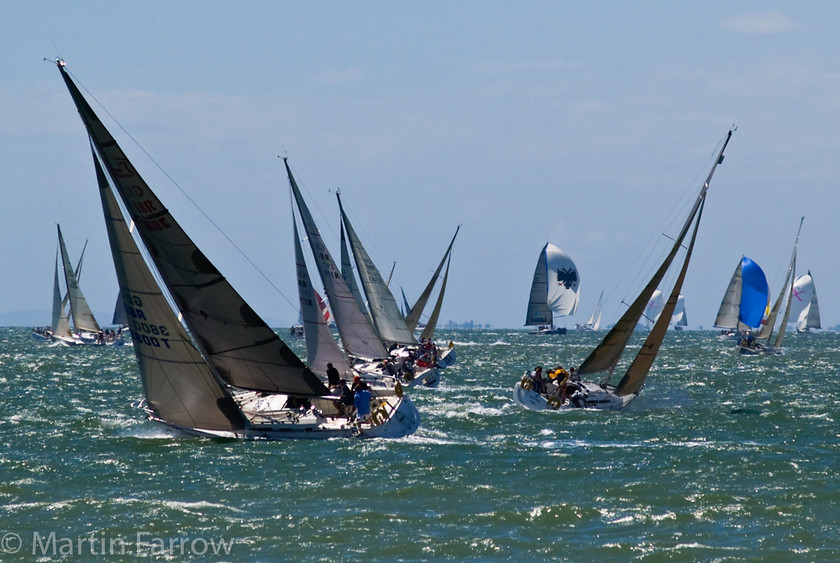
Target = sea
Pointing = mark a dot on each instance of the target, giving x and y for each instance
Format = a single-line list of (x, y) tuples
[(722, 457)]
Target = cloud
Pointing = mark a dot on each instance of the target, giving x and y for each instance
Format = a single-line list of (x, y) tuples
[(759, 23)]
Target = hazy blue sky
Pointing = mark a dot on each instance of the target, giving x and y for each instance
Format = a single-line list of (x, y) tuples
[(587, 124)]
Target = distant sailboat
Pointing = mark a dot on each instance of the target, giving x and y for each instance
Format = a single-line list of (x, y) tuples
[(752, 346), (78, 326), (594, 322), (745, 300), (679, 319), (555, 289), (805, 309), (231, 375), (569, 392)]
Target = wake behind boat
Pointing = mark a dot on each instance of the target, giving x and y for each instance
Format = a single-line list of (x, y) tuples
[(231, 375), (567, 391)]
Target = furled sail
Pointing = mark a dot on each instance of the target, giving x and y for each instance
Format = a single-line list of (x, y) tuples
[(177, 382), (356, 333), (606, 355), (321, 347), (555, 287), (389, 322), (242, 349)]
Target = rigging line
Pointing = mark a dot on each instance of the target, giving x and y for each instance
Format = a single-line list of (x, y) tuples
[(183, 192)]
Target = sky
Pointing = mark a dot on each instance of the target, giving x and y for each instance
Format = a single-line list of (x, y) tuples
[(586, 124)]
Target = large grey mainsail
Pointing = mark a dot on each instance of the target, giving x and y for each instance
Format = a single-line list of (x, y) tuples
[(356, 333), (80, 311), (321, 347), (242, 349), (389, 322), (178, 384)]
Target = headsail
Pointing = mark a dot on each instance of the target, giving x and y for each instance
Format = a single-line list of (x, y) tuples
[(242, 349), (355, 330), (389, 322), (60, 325), (177, 382), (787, 289)]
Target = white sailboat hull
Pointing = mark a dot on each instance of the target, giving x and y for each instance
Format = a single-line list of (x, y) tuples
[(395, 417), (591, 396)]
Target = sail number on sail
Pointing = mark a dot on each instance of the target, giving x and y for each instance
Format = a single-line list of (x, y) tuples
[(141, 331)]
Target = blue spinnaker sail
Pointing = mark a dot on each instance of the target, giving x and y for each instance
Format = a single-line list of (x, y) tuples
[(753, 294)]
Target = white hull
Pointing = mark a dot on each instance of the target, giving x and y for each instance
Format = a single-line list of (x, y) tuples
[(394, 417), (591, 396)]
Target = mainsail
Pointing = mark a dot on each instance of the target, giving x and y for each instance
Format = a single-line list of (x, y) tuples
[(241, 348), (321, 347), (389, 322), (354, 329), (555, 287), (606, 355), (60, 325), (679, 318), (429, 330)]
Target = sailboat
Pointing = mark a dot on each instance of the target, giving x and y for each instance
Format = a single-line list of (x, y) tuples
[(594, 321), (805, 308), (745, 300), (679, 319), (754, 346), (231, 375), (567, 392), (555, 289), (78, 326)]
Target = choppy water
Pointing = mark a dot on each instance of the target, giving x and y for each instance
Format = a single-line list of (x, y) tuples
[(722, 457)]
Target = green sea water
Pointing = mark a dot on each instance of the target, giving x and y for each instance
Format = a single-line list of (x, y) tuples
[(721, 458)]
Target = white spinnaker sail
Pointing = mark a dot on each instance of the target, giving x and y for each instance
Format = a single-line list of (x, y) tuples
[(555, 287), (805, 308), (679, 316)]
